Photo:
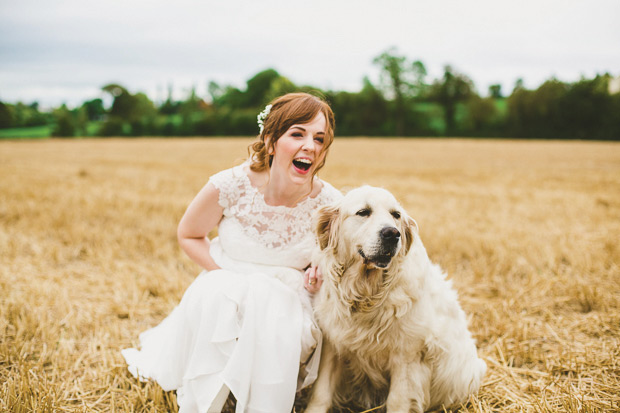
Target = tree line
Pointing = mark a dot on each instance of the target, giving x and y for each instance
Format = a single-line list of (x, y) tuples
[(403, 103)]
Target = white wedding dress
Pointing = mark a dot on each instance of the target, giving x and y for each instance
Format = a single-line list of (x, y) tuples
[(247, 328)]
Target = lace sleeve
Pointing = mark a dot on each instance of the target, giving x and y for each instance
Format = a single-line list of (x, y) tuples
[(329, 194), (227, 182)]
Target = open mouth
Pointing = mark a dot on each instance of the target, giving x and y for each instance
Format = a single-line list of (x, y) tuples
[(302, 164), (378, 260)]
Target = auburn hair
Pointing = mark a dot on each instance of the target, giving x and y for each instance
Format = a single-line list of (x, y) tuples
[(286, 111)]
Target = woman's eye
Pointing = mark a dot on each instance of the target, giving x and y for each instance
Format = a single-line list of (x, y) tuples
[(364, 212), (297, 134), (319, 140), (395, 214)]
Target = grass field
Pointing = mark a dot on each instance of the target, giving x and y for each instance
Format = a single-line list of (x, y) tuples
[(38, 132), (528, 231)]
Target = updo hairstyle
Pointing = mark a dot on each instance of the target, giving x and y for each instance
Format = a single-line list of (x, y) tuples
[(286, 111)]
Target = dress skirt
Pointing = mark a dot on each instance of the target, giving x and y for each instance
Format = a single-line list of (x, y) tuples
[(239, 332)]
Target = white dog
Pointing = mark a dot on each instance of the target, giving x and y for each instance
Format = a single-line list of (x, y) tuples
[(392, 323)]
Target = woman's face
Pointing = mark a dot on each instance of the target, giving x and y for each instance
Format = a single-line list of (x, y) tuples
[(299, 151)]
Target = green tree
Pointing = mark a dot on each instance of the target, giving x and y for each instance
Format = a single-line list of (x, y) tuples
[(372, 110), (112, 127), (134, 112), (589, 111), (537, 114), (6, 116), (495, 91), (94, 109), (279, 87), (519, 112), (401, 82), (482, 116), (64, 122), (258, 87), (120, 97), (215, 91), (365, 113), (192, 111), (453, 89), (519, 85), (27, 115), (231, 98), (170, 106)]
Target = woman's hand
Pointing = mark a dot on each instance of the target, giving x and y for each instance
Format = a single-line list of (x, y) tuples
[(313, 279)]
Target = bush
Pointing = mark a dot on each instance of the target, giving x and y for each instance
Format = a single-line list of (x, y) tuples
[(112, 127)]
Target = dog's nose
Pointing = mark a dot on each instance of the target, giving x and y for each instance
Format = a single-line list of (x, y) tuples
[(389, 234)]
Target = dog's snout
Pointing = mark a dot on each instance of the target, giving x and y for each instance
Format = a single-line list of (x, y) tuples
[(389, 234)]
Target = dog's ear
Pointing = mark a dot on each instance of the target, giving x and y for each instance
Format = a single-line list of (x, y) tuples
[(326, 225), (409, 231)]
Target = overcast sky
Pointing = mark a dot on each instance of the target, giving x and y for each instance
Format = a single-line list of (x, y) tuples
[(56, 51)]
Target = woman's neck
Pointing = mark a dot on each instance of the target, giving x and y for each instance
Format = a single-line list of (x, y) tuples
[(279, 191)]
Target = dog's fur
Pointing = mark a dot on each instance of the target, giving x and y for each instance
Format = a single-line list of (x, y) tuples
[(392, 323)]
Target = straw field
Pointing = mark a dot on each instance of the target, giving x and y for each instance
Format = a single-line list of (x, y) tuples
[(528, 231)]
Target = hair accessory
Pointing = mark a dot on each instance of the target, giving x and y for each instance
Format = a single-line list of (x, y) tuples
[(262, 116)]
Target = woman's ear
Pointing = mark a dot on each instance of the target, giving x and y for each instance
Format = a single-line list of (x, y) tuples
[(327, 226), (409, 231)]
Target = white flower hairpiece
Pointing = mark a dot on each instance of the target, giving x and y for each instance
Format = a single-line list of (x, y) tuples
[(262, 116)]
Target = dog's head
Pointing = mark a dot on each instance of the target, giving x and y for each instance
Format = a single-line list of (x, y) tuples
[(369, 225)]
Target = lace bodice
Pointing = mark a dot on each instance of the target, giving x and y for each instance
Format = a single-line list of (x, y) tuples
[(255, 232)]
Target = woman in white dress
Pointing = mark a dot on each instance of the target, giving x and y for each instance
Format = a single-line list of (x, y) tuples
[(245, 325)]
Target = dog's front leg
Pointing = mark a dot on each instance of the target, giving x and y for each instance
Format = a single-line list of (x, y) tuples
[(410, 387), (329, 372)]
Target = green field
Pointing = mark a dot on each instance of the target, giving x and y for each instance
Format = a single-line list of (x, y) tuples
[(44, 131)]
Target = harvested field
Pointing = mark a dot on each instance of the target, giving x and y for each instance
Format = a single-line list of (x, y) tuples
[(528, 230)]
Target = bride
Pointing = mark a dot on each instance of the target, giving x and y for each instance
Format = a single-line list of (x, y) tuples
[(245, 324)]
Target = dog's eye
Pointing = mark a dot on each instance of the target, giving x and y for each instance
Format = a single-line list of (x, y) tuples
[(364, 212), (395, 214)]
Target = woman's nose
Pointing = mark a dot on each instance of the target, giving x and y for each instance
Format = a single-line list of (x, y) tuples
[(308, 144)]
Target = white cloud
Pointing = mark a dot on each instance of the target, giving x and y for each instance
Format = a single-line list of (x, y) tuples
[(74, 47)]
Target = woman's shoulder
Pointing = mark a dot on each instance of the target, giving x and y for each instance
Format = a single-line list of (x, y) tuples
[(328, 193), (228, 177), (231, 184)]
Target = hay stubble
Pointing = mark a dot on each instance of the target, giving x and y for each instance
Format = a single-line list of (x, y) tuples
[(528, 231)]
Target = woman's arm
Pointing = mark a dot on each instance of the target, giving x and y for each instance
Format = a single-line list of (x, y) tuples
[(202, 215)]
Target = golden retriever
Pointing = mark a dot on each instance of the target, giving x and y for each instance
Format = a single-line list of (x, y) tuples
[(391, 321)]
